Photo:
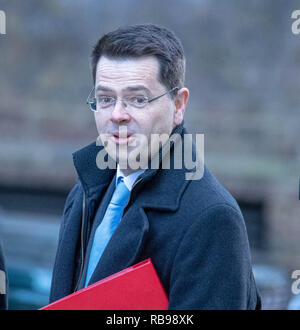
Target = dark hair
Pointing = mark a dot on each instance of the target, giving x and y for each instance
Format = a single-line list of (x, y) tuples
[(144, 40)]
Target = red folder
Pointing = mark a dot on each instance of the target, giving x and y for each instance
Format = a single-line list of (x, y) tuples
[(135, 288)]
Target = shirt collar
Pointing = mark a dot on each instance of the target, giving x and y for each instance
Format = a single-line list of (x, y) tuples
[(130, 179)]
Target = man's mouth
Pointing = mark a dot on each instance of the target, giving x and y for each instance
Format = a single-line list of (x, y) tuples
[(122, 138)]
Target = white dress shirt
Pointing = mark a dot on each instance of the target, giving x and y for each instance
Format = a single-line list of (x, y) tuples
[(130, 179)]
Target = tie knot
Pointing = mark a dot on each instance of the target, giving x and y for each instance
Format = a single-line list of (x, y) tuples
[(121, 193)]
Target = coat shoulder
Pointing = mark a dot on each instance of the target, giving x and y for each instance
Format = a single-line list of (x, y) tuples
[(208, 194)]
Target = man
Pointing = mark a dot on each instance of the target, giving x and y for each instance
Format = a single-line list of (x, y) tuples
[(192, 230)]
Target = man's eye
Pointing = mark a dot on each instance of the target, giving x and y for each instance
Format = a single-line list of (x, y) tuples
[(138, 100), (105, 100)]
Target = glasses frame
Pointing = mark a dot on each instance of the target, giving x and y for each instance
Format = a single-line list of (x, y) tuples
[(93, 101)]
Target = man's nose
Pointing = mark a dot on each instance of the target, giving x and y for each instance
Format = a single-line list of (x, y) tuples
[(120, 112)]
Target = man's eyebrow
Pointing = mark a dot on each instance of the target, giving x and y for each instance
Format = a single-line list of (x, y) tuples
[(127, 89), (136, 88), (103, 88)]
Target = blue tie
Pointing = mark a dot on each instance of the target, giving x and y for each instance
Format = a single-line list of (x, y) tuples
[(108, 225)]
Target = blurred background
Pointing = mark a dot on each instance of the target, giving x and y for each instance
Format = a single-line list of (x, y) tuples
[(243, 69)]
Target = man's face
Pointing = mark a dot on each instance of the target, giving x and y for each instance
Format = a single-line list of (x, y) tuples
[(124, 78)]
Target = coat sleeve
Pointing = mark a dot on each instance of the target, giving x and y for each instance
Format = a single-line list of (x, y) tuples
[(68, 205), (57, 268), (212, 267)]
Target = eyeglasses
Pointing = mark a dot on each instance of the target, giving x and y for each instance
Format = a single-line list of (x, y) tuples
[(134, 101)]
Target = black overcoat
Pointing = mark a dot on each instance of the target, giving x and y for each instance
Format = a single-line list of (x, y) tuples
[(193, 231)]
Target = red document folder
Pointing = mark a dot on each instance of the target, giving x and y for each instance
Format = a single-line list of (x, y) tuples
[(135, 288)]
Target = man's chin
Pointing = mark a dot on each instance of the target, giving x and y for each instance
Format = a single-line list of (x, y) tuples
[(130, 159)]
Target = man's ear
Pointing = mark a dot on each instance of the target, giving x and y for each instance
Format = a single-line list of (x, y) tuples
[(181, 100)]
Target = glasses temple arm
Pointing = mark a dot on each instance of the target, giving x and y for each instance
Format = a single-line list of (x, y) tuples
[(88, 98), (157, 97)]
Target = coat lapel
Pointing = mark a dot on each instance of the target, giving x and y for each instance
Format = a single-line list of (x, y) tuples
[(125, 245)]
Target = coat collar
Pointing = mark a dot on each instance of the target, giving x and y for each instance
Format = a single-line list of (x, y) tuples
[(164, 186)]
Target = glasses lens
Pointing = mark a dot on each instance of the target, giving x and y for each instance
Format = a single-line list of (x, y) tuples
[(91, 100), (137, 101), (93, 105), (104, 102)]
